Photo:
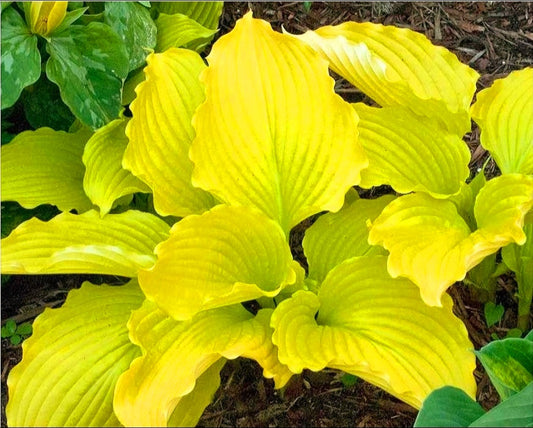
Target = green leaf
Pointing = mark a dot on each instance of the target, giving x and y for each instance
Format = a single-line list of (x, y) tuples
[(43, 106), (133, 23), (45, 167), (105, 180), (24, 329), (9, 328), (13, 215), (336, 237), (21, 61), (349, 380), (117, 244), (71, 17), (72, 361), (89, 64), (516, 411), (493, 313), (181, 31), (448, 407), (15, 339), (509, 364)]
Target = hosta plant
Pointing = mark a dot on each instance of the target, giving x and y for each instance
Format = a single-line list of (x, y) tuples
[(236, 153)]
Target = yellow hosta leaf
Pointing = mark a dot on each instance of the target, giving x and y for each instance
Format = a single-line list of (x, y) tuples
[(272, 133), (117, 244), (335, 237), (105, 180), (377, 328), (45, 167), (410, 152), (175, 354), (504, 113), (180, 31), (227, 255), (398, 66), (160, 131), (72, 361), (432, 245), (206, 13)]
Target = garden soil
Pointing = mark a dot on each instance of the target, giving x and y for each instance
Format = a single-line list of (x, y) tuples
[(494, 38)]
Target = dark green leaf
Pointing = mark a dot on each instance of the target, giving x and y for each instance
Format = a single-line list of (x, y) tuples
[(516, 411), (509, 364), (89, 64), (21, 62), (24, 329), (448, 407), (132, 22), (13, 215), (348, 380), (9, 328), (493, 313), (15, 339), (5, 4), (43, 106)]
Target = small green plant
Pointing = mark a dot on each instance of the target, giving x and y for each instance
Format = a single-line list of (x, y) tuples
[(16, 333), (236, 153), (509, 364)]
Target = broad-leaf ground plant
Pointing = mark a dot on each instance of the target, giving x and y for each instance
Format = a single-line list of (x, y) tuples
[(236, 151)]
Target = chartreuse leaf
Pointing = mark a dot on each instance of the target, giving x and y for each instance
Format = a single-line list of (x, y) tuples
[(161, 132), (466, 198), (448, 407), (420, 154), (373, 326), (89, 64), (225, 256), (179, 30), (509, 364), (105, 180), (504, 113), (431, 244), (21, 61), (272, 134), (191, 406), (519, 258), (44, 166), (206, 13), (336, 237), (398, 66), (132, 22), (117, 244), (175, 354), (72, 361)]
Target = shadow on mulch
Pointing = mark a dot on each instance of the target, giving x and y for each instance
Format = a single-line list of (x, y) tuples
[(494, 38)]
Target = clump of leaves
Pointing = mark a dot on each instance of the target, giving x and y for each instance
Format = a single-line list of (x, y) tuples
[(16, 333), (236, 153)]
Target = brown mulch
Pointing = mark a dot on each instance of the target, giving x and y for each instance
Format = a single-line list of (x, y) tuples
[(494, 38)]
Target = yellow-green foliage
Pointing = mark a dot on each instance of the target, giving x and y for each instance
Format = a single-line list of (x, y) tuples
[(244, 148)]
